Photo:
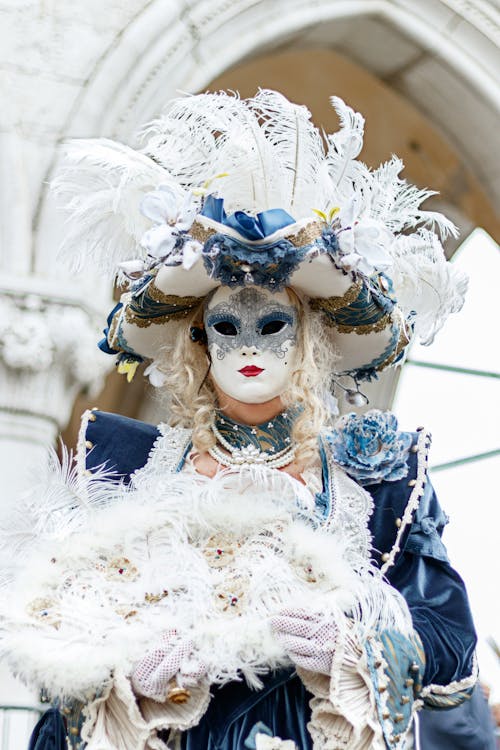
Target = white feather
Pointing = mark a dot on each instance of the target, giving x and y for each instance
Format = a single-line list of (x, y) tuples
[(100, 184), (397, 203), (347, 175), (425, 283)]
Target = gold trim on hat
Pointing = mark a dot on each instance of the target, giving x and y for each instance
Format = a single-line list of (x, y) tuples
[(172, 299), (298, 238), (331, 304), (362, 330), (403, 341), (200, 232), (306, 235), (113, 326), (142, 320)]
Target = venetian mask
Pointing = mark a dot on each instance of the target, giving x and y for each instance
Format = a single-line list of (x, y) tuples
[(251, 337)]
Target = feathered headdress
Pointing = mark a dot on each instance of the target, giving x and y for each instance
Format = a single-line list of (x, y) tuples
[(250, 189)]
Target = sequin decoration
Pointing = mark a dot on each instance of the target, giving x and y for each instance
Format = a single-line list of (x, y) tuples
[(219, 551), (154, 598), (230, 593), (43, 609), (121, 569)]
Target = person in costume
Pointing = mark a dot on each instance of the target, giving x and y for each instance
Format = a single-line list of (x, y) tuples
[(257, 573)]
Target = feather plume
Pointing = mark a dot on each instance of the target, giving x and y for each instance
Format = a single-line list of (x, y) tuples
[(257, 153), (298, 150), (100, 184), (93, 592), (267, 147), (397, 203), (57, 504), (199, 137), (425, 283), (343, 147)]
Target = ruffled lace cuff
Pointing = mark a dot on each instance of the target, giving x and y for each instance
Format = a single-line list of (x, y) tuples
[(343, 708), (370, 698), (117, 721)]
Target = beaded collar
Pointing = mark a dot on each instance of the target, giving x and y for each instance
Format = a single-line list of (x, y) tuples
[(272, 437)]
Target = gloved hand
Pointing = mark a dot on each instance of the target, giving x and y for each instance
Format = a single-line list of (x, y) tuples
[(307, 637), (173, 657)]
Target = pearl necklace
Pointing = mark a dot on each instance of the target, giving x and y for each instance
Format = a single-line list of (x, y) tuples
[(249, 454)]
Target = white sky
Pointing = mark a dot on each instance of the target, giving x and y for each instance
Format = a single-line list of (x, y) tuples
[(462, 412)]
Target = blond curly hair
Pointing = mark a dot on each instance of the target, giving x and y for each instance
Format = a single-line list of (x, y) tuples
[(193, 400)]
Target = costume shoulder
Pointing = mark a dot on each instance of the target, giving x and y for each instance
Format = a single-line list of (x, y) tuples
[(407, 516), (118, 444), (392, 466)]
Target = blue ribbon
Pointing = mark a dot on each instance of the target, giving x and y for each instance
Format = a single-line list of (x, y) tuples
[(250, 227)]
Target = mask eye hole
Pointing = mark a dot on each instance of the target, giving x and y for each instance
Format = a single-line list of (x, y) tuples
[(225, 328), (273, 326)]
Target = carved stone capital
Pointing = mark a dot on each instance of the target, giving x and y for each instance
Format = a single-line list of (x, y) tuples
[(48, 354)]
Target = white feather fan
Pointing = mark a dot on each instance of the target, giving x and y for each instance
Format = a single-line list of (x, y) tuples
[(102, 581)]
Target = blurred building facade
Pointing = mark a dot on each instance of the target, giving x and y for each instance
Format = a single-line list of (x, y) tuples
[(425, 74)]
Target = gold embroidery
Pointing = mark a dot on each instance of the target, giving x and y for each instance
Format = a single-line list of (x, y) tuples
[(201, 233), (113, 330), (306, 235), (379, 325), (154, 598), (135, 320), (121, 569), (331, 304), (403, 341), (229, 595), (219, 551), (142, 320), (43, 609), (172, 299)]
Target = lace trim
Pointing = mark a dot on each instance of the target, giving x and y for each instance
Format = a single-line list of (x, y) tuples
[(423, 443), (81, 448), (350, 509), (453, 687), (167, 452)]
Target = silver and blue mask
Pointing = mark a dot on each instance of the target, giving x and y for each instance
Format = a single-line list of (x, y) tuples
[(253, 319)]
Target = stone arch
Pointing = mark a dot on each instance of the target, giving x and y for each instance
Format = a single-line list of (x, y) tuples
[(437, 47), (444, 51)]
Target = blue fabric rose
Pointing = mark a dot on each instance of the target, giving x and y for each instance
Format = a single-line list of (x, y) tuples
[(370, 448)]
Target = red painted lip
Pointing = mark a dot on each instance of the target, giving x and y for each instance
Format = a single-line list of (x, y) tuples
[(250, 371)]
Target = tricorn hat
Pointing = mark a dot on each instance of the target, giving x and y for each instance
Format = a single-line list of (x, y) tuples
[(238, 192)]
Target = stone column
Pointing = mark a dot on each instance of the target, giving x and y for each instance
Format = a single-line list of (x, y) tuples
[(48, 354)]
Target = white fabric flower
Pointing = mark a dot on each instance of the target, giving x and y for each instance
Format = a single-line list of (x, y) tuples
[(132, 269), (363, 247), (159, 241), (156, 377), (173, 213), (167, 205), (362, 242), (191, 251)]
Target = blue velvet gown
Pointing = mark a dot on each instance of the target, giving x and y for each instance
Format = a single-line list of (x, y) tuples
[(434, 592)]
